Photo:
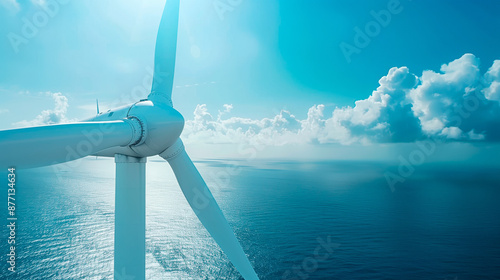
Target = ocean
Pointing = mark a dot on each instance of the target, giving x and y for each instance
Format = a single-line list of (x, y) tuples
[(295, 220)]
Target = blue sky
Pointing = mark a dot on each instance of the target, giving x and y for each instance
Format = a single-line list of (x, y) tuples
[(261, 57)]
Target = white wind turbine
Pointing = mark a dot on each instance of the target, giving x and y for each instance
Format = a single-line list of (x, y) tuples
[(130, 134)]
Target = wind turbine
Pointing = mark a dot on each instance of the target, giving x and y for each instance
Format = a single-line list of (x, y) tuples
[(130, 134)]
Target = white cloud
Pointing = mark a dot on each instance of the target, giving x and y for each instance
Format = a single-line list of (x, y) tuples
[(228, 108), (440, 93), (205, 128), (54, 116), (452, 132), (458, 98), (455, 104), (475, 136), (3, 111)]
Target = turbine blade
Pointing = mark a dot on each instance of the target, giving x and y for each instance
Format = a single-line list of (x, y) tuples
[(165, 53), (204, 205), (52, 144)]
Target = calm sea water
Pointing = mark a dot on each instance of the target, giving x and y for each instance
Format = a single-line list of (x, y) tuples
[(441, 223)]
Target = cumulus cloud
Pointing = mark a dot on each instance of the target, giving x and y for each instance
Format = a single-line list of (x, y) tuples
[(54, 116), (205, 128), (227, 109), (457, 103)]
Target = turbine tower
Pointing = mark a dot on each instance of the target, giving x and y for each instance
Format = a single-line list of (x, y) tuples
[(130, 134)]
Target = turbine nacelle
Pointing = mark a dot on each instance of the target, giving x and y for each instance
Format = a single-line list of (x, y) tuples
[(156, 127)]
